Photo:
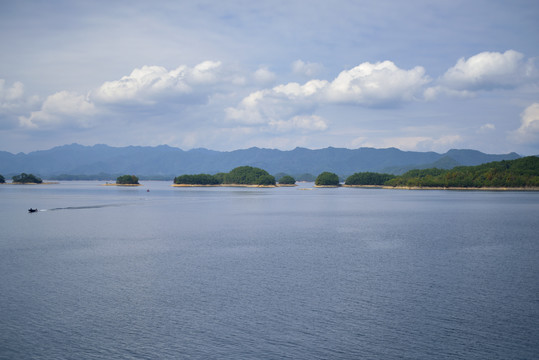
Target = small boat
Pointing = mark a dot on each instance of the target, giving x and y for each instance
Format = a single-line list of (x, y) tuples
[(32, 210)]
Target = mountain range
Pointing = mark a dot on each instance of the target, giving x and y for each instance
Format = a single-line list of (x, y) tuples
[(166, 162)]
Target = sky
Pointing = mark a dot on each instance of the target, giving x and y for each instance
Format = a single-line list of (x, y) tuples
[(418, 75)]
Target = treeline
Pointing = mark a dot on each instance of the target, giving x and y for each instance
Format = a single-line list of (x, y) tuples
[(105, 176), (127, 180), (243, 175), (368, 178), (24, 178), (523, 172)]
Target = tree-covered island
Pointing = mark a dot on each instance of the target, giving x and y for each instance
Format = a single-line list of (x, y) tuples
[(287, 180), (512, 174), (368, 178), (129, 180), (240, 176), (24, 178), (327, 179)]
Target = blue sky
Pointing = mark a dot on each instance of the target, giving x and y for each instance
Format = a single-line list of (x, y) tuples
[(416, 75)]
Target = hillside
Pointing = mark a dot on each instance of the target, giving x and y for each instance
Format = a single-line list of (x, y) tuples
[(519, 173), (166, 161)]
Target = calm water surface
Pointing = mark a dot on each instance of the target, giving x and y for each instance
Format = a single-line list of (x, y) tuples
[(284, 273)]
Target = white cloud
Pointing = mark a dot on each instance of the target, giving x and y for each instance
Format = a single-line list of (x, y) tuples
[(61, 108), (378, 84), (528, 132), (309, 70), (147, 84), (489, 70)]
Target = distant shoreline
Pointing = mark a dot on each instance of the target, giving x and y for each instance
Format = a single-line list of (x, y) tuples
[(445, 188), (225, 185), (33, 183)]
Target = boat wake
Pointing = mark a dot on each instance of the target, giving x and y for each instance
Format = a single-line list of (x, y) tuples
[(81, 207)]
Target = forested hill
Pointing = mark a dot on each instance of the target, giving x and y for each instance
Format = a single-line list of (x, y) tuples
[(519, 173), (168, 161)]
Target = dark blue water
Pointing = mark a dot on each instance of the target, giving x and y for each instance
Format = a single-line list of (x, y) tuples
[(225, 273)]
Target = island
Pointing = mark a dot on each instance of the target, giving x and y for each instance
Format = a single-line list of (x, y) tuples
[(240, 176), (518, 174), (287, 180), (125, 180), (327, 179), (24, 178)]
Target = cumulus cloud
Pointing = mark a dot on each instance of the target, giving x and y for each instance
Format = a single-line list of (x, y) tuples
[(147, 84), (61, 108), (488, 71), (368, 84), (375, 84), (528, 132)]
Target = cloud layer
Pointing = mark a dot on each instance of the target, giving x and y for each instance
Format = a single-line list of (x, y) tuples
[(183, 102)]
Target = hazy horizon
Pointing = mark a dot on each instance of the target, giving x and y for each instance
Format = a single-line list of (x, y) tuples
[(264, 148), (417, 76)]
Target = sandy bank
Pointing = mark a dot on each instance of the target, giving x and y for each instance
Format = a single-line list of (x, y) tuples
[(121, 185), (224, 185), (43, 183)]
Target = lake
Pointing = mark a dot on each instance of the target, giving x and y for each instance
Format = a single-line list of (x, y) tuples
[(274, 273)]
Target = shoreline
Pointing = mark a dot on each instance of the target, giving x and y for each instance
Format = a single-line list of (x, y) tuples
[(121, 184), (444, 188), (42, 183), (224, 185)]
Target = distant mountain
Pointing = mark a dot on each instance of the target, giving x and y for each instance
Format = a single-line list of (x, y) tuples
[(165, 161)]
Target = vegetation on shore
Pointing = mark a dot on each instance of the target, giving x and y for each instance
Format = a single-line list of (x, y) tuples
[(519, 173), (198, 179), (24, 178), (368, 178), (243, 175), (287, 180), (2, 179), (327, 179), (127, 180)]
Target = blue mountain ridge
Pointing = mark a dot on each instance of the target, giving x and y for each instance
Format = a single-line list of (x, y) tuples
[(164, 160)]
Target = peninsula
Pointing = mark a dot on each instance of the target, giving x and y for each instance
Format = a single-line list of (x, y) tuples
[(519, 174)]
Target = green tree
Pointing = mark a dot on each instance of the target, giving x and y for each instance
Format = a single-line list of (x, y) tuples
[(245, 175), (127, 180), (266, 180), (2, 179), (287, 180), (24, 178), (199, 179), (523, 172), (327, 179), (368, 178)]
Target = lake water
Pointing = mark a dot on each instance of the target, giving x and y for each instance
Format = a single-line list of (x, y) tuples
[(285, 273)]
